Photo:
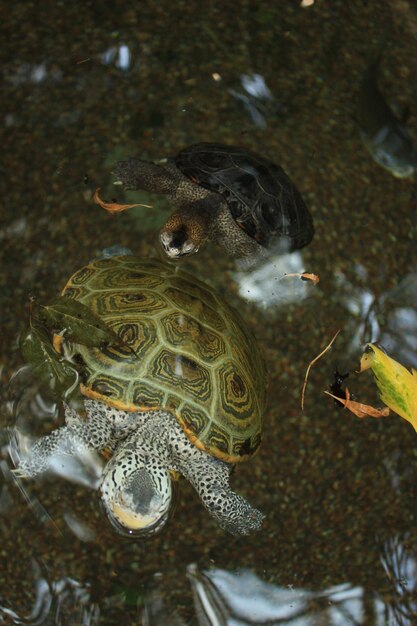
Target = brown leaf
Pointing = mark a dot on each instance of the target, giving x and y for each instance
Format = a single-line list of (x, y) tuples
[(113, 207), (306, 276), (359, 409)]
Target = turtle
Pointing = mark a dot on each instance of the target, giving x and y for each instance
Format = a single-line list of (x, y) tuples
[(238, 199), (183, 394)]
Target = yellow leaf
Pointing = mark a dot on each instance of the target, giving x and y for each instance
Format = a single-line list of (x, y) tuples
[(397, 385)]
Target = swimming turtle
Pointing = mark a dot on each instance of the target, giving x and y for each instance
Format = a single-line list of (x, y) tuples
[(183, 393), (230, 195)]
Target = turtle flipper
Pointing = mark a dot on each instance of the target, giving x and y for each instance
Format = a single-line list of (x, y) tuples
[(59, 443), (210, 478), (76, 437), (145, 176), (227, 233)]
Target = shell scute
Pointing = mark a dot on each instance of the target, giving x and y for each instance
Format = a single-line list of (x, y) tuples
[(136, 338), (107, 387), (244, 447), (196, 307), (218, 439), (144, 395), (238, 399), (129, 278), (195, 289), (140, 302), (189, 335), (83, 275), (183, 349), (185, 375), (193, 419)]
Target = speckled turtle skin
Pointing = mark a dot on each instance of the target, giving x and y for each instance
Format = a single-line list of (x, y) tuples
[(262, 199), (194, 356)]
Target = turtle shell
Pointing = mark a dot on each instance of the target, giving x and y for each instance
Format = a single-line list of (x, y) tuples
[(183, 349), (261, 197)]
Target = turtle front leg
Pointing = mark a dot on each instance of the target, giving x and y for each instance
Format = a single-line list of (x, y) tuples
[(167, 179), (145, 176), (210, 478), (41, 453), (78, 436), (227, 233)]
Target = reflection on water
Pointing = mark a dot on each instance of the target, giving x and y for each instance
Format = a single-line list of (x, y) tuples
[(389, 318), (267, 285), (362, 304), (400, 566), (239, 598), (399, 308), (35, 73), (62, 601), (242, 599), (38, 511), (120, 55), (257, 98)]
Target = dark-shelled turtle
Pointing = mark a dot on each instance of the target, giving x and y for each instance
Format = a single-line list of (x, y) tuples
[(230, 195)]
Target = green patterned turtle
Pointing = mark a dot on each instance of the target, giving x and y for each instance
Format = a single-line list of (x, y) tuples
[(183, 394)]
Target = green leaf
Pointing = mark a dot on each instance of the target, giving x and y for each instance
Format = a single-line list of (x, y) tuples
[(397, 385), (76, 322), (47, 364)]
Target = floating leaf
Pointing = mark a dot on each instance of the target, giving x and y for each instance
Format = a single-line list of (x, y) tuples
[(76, 322), (314, 278), (397, 385), (46, 364), (114, 207), (359, 409)]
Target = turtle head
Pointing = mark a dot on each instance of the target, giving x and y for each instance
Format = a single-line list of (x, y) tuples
[(184, 233), (135, 495)]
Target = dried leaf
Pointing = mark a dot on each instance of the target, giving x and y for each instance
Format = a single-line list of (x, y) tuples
[(397, 385), (359, 409), (46, 364), (312, 363), (76, 322), (315, 279), (113, 207)]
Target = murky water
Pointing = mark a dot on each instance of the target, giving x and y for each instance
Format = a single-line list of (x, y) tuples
[(86, 84)]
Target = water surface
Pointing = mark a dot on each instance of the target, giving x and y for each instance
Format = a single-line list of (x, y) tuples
[(86, 84)]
